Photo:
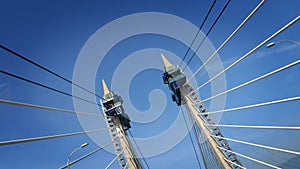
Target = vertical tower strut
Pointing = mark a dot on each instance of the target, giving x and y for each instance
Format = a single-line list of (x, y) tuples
[(174, 77), (118, 123)]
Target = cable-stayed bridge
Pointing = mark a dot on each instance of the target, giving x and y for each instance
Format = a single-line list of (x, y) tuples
[(212, 147)]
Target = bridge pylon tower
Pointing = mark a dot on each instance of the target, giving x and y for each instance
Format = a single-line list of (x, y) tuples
[(118, 122), (182, 94)]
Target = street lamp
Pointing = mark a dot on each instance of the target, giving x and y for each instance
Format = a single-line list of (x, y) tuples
[(286, 40), (82, 146)]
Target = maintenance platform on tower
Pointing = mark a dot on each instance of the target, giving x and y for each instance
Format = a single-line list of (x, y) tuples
[(175, 78)]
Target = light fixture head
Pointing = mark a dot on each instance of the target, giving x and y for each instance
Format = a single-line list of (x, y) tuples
[(270, 44), (84, 145)]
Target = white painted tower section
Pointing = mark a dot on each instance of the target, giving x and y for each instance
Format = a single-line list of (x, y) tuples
[(196, 114), (123, 147)]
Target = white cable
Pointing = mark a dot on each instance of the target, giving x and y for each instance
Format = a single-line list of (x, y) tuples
[(249, 53), (85, 156), (250, 158), (256, 105), (113, 161), (259, 145), (254, 80), (233, 33), (4, 143), (284, 40), (255, 127), (233, 163), (126, 165), (44, 107)]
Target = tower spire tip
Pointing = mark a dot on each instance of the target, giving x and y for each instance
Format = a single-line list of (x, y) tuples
[(105, 88)]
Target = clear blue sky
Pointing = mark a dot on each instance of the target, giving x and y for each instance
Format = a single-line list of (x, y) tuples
[(53, 33)]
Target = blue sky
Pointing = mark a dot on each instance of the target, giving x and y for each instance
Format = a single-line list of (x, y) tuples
[(53, 33)]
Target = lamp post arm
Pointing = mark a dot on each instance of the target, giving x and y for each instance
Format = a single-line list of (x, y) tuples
[(284, 40), (71, 155), (289, 40)]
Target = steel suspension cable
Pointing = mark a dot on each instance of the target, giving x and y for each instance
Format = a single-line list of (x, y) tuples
[(269, 155), (18, 141), (47, 87), (207, 150), (191, 138), (255, 127), (249, 53), (138, 149), (256, 105), (250, 158), (112, 162), (208, 119), (212, 26), (229, 37), (126, 165), (206, 155), (44, 107), (202, 24), (47, 70), (127, 148), (85, 156), (259, 145), (254, 80), (235, 164), (197, 134), (209, 156), (210, 151), (213, 159), (109, 165)]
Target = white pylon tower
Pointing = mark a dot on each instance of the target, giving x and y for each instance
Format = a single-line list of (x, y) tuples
[(118, 123), (182, 95)]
